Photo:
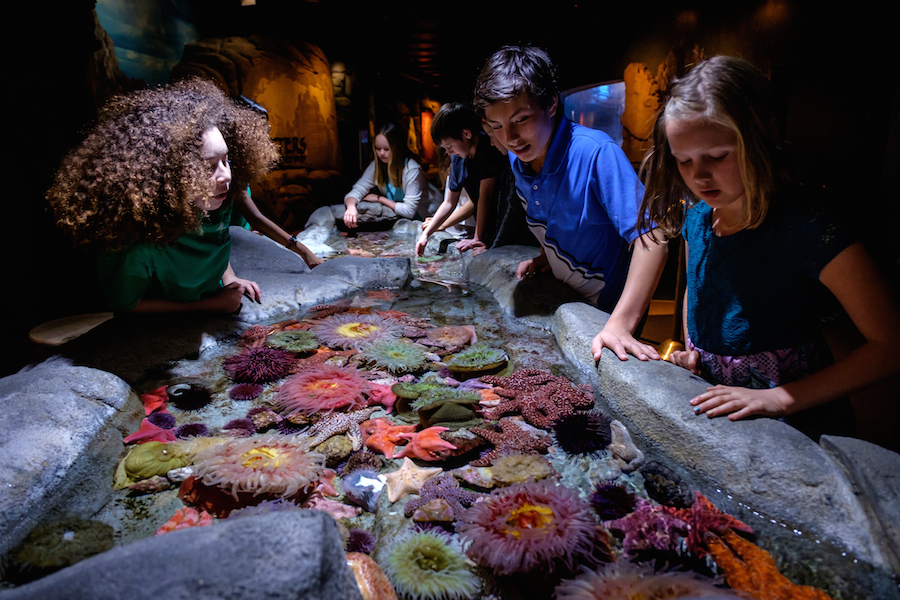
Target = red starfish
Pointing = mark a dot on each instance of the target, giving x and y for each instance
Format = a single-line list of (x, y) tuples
[(382, 435), (391, 314), (425, 444), (703, 516), (155, 400), (150, 433), (319, 358)]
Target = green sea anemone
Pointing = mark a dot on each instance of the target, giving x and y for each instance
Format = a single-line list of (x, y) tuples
[(58, 544), (350, 330), (294, 341), (426, 565), (477, 358), (396, 356), (518, 468), (452, 407)]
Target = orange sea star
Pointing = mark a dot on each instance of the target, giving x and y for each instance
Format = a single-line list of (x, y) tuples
[(425, 444), (749, 568), (383, 435), (381, 294)]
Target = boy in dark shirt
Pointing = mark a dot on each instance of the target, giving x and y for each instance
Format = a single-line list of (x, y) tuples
[(475, 167), (580, 193)]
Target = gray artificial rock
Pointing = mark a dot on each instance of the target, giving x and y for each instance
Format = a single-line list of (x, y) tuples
[(62, 438), (288, 555), (875, 474), (366, 273), (252, 253), (759, 463)]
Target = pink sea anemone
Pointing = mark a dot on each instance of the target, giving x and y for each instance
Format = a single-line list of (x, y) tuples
[(245, 391), (325, 387), (528, 526), (259, 365), (267, 464), (350, 330)]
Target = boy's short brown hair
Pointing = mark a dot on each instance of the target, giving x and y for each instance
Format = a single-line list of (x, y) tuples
[(513, 70), (452, 119)]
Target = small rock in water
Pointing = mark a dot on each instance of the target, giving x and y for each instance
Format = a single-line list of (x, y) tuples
[(628, 456)]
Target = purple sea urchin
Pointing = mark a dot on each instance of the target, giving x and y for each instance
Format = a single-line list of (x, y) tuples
[(259, 365), (425, 565), (245, 391), (266, 464), (326, 387), (528, 526), (244, 426), (584, 433), (189, 430), (188, 396), (351, 330), (396, 356), (611, 501), (162, 419), (360, 540)]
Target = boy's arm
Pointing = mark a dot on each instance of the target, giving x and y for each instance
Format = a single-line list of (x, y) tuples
[(648, 260), (459, 215), (485, 204), (451, 198)]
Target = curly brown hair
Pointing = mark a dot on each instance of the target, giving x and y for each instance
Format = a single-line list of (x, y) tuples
[(136, 176)]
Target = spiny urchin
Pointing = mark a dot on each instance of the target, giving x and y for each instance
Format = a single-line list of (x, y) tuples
[(530, 526), (188, 396), (350, 330), (259, 365), (324, 387), (189, 430), (296, 341), (245, 391), (611, 501), (267, 464), (396, 356), (243, 427), (583, 433), (426, 565), (360, 540), (162, 419)]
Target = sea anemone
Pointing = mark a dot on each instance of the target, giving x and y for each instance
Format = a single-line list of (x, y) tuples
[(396, 356), (360, 540), (584, 433), (189, 396), (623, 580), (350, 330), (518, 468), (162, 419), (268, 464), (425, 565), (611, 501), (528, 526), (325, 387), (478, 358), (259, 365), (245, 391), (244, 426), (52, 546), (189, 430), (452, 336), (295, 341), (153, 458)]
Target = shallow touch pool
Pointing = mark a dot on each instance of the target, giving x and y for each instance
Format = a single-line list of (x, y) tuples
[(804, 559)]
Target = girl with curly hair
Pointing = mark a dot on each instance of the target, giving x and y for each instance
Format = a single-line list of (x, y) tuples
[(148, 189)]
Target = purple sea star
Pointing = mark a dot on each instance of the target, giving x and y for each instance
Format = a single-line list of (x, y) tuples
[(445, 487), (539, 396), (511, 438)]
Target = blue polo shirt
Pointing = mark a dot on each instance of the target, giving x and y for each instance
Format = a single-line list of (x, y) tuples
[(582, 207)]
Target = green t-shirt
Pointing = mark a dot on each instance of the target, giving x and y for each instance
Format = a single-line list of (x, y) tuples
[(186, 271)]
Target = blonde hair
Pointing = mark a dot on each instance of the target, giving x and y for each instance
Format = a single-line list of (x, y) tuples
[(392, 171), (728, 92)]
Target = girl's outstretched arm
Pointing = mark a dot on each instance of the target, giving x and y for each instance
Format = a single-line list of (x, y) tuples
[(248, 209), (647, 263), (856, 282)]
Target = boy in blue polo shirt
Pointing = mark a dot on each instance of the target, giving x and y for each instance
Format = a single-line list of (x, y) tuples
[(580, 193)]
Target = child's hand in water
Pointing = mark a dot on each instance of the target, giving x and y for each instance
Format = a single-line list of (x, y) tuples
[(739, 402)]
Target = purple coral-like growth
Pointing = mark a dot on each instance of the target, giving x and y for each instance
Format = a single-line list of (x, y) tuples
[(651, 527)]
